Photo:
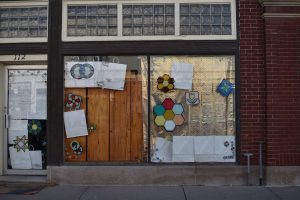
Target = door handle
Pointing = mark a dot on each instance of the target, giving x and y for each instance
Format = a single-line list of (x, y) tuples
[(6, 118)]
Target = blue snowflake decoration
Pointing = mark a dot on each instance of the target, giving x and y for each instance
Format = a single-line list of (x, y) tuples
[(225, 88)]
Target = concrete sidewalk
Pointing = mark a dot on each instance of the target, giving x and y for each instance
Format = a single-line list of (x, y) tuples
[(62, 192)]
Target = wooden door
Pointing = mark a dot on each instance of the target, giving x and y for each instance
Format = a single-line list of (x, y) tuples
[(119, 121)]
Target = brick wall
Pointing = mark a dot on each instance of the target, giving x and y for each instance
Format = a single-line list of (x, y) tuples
[(252, 78), (283, 89), (270, 83)]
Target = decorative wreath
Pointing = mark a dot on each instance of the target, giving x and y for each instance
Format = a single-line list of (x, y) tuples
[(34, 127), (165, 83), (73, 102)]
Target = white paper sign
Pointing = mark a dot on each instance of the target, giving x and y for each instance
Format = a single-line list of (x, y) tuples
[(162, 151), (214, 148), (105, 75), (183, 149), (75, 124), (20, 160), (114, 76), (183, 75), (12, 135), (18, 124)]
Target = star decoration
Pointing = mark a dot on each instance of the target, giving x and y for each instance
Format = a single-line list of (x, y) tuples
[(225, 88), (21, 143)]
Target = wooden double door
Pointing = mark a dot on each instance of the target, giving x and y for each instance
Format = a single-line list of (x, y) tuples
[(118, 118)]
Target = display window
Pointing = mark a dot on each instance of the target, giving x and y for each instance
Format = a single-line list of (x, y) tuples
[(150, 109)]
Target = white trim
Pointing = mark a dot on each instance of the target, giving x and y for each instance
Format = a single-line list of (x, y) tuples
[(11, 58), (23, 4), (120, 19), (285, 15), (5, 150), (176, 36), (274, 3)]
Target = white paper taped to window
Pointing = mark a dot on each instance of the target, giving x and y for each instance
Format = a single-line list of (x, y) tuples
[(95, 74), (183, 75), (183, 149), (75, 124), (163, 150), (20, 160)]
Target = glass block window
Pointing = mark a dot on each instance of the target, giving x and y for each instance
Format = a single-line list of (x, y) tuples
[(205, 19), (145, 20), (23, 22), (92, 20)]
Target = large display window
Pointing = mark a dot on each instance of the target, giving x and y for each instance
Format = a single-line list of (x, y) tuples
[(150, 109)]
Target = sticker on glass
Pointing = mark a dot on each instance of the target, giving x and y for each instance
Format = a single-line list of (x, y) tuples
[(192, 98)]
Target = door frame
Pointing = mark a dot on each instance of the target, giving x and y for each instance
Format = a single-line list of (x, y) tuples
[(5, 138)]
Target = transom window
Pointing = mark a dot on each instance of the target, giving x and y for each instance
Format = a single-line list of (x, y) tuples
[(149, 20), (26, 22)]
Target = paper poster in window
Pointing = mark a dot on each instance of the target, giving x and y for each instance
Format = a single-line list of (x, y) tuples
[(75, 124), (80, 74), (183, 75), (113, 75)]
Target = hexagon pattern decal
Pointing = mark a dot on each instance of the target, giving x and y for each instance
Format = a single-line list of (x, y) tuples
[(168, 114), (165, 83)]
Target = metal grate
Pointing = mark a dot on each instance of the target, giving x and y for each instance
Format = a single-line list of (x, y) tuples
[(205, 19), (23, 22), (92, 20)]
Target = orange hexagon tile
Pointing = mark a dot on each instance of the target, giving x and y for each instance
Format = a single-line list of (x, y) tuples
[(178, 119)]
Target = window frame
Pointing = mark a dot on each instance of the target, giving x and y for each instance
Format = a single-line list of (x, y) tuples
[(120, 37), (25, 4)]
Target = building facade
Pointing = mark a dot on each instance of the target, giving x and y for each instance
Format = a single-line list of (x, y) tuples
[(145, 92)]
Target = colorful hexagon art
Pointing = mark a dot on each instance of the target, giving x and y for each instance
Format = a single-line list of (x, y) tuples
[(160, 120), (225, 88), (159, 110), (170, 125), (178, 119), (165, 83), (177, 109), (168, 103), (73, 102), (192, 98), (168, 114)]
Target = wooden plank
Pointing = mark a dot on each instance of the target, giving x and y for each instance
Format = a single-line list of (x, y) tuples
[(136, 118), (98, 114), (69, 155), (120, 123)]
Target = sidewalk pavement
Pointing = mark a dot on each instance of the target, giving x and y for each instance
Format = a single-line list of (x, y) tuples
[(66, 192)]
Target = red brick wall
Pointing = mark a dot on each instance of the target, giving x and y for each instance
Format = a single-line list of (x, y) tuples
[(270, 83), (283, 89), (252, 78)]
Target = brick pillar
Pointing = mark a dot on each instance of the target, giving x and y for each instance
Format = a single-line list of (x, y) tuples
[(282, 33)]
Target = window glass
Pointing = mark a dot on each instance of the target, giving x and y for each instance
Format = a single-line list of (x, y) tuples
[(23, 22), (193, 114), (205, 19), (157, 19), (92, 20)]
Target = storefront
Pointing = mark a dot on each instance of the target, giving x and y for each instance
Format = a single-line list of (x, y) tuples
[(120, 91)]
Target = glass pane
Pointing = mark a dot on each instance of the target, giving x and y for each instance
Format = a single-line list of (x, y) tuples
[(151, 19), (206, 15), (86, 18), (189, 112), (129, 106), (27, 111), (17, 21)]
